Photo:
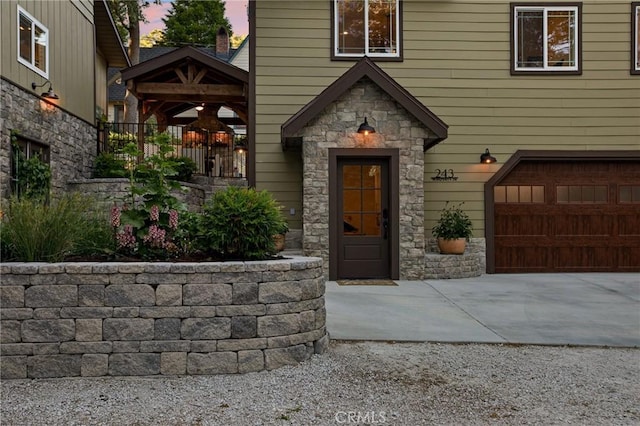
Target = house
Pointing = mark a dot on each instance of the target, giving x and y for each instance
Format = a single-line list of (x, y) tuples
[(54, 62), (443, 82)]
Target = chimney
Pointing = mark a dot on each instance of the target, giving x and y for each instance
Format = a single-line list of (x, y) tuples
[(222, 42)]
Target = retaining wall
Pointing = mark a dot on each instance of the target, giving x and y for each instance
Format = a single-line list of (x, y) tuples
[(143, 319)]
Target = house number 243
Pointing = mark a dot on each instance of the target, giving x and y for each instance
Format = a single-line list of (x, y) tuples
[(444, 174)]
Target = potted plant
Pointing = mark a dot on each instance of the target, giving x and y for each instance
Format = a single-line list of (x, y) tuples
[(453, 229)]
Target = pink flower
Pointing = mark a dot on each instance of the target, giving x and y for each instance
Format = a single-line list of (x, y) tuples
[(156, 237), (126, 239), (115, 216), (154, 215), (173, 219)]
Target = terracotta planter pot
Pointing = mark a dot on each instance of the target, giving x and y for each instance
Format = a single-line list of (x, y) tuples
[(456, 246), (279, 240)]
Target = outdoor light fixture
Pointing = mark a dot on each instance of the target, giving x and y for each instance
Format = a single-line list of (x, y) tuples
[(240, 147), (50, 94), (200, 107), (365, 128), (487, 158)]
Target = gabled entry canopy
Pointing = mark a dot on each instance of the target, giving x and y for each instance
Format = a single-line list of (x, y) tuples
[(365, 67), (181, 79)]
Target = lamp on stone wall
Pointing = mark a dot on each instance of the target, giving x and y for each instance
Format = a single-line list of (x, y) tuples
[(49, 94), (365, 128), (487, 158)]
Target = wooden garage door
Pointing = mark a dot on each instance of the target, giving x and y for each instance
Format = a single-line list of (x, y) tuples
[(565, 216)]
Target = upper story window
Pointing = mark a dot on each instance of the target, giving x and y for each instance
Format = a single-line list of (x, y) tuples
[(366, 28), (33, 43), (546, 38), (635, 38)]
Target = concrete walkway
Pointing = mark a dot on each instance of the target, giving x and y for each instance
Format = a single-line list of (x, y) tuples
[(555, 309)]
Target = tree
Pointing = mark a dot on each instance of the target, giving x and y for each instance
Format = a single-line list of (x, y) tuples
[(195, 23), (127, 15), (155, 37)]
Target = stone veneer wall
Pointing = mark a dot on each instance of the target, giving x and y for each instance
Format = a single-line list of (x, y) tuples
[(71, 140), (110, 190), (143, 319), (336, 127), (444, 266)]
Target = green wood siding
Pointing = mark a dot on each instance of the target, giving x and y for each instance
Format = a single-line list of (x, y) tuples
[(71, 51), (456, 61)]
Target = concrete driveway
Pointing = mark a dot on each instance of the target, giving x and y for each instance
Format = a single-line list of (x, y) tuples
[(599, 309)]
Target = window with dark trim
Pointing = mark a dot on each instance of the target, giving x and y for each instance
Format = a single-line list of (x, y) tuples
[(546, 38), (23, 150), (33, 43), (370, 28), (635, 38)]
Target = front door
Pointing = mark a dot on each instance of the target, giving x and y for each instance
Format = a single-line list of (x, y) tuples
[(363, 233)]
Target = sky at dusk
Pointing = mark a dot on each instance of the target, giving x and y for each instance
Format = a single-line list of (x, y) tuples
[(235, 10)]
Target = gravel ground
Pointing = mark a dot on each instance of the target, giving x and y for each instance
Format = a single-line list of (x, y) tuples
[(359, 383)]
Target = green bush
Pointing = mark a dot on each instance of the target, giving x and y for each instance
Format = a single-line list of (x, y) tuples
[(184, 167), (106, 165), (239, 223), (32, 231)]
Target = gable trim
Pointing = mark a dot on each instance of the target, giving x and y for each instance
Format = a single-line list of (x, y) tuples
[(365, 67), (180, 55)]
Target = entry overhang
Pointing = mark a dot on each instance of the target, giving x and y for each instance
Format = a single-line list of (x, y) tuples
[(365, 67)]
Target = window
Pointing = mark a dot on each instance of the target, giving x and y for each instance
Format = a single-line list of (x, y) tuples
[(366, 28), (33, 43), (629, 194), (546, 39), (635, 38), (27, 176), (581, 194), (519, 194)]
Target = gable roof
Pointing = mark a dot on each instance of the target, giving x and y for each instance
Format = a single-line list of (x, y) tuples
[(365, 67), (107, 37), (182, 54)]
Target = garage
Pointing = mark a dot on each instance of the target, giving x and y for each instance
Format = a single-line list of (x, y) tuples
[(564, 211)]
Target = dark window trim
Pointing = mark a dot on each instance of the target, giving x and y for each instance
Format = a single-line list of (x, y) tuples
[(399, 58), (634, 43), (512, 38)]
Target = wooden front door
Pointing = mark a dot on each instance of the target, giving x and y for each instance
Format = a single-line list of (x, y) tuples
[(363, 217)]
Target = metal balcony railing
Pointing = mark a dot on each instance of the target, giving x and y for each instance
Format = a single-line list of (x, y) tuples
[(217, 154)]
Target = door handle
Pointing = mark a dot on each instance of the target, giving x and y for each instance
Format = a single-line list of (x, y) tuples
[(385, 223)]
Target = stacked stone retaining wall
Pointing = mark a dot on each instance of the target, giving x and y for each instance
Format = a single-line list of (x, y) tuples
[(144, 319)]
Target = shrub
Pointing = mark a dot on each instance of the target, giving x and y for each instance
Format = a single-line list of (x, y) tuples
[(239, 223), (33, 231), (106, 165), (184, 167), (453, 223)]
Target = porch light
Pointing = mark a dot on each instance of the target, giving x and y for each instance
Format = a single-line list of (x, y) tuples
[(49, 94), (200, 107), (487, 158), (240, 147), (365, 128)]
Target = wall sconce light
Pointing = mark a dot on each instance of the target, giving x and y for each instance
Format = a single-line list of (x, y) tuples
[(487, 158), (240, 147), (365, 128), (200, 107), (49, 94)]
